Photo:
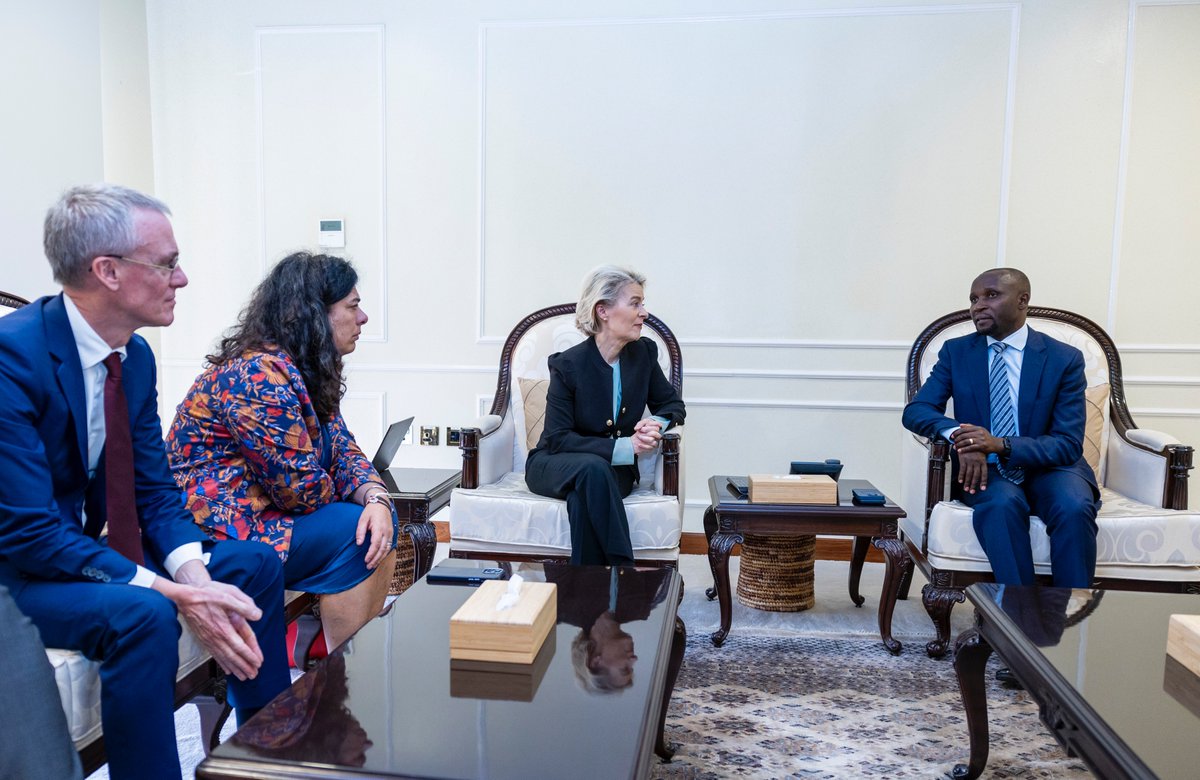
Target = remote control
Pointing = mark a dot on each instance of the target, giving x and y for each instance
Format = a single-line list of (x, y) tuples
[(868, 497)]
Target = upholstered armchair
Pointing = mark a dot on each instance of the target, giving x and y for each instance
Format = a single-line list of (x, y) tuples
[(1148, 539), (494, 515)]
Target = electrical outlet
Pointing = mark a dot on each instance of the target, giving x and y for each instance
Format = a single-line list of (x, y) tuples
[(453, 436), (408, 436), (429, 435)]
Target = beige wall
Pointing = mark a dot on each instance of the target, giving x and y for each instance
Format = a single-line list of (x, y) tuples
[(806, 186)]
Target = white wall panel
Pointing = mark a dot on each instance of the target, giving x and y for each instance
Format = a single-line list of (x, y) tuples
[(746, 164), (52, 139), (1160, 229), (322, 153)]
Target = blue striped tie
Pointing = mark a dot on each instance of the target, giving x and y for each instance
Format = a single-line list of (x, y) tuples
[(1003, 421)]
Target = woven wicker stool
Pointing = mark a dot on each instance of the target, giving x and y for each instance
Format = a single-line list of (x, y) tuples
[(776, 572), (402, 577)]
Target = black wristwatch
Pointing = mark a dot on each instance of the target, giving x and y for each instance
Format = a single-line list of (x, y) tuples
[(1007, 447)]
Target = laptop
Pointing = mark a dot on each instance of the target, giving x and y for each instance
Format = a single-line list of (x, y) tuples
[(387, 451)]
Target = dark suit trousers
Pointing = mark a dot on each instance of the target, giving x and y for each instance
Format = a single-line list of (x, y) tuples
[(1067, 505), (593, 490), (134, 633), (36, 742)]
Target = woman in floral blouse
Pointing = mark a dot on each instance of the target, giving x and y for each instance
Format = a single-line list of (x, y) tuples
[(262, 452)]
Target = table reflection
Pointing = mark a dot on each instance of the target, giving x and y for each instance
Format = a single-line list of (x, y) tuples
[(599, 601), (310, 721), (1043, 614)]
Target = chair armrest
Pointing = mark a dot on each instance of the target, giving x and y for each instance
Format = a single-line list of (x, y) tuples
[(1149, 466), (668, 472), (1154, 440), (487, 450)]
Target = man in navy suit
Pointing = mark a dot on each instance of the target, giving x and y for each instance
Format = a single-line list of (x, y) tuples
[(114, 252), (1018, 434)]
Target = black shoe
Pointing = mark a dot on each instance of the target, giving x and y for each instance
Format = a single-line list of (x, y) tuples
[(1005, 677)]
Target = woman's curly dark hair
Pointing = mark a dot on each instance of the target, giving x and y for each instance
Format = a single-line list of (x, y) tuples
[(290, 310)]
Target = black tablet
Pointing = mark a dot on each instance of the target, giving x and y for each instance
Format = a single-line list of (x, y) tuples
[(456, 572)]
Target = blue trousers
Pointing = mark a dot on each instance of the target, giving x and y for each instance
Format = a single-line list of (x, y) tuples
[(1067, 504), (134, 633), (593, 490)]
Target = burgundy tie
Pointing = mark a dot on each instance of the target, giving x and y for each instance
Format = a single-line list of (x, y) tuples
[(124, 535)]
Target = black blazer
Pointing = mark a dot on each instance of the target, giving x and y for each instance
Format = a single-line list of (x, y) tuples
[(579, 401)]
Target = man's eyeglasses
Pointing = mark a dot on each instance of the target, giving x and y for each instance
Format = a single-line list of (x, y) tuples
[(168, 266)]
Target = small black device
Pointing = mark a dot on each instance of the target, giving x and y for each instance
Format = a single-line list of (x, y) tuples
[(831, 467), (454, 572), (867, 497), (739, 486)]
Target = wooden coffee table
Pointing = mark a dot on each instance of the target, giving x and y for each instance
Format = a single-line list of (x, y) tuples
[(389, 704), (1095, 661), (729, 517)]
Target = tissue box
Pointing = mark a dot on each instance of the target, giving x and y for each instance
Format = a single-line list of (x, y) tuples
[(478, 632), (507, 682), (793, 489), (1183, 641)]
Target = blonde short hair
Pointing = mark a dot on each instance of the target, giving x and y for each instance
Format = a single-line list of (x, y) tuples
[(602, 285)]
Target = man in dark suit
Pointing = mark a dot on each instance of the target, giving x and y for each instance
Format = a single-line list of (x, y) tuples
[(1018, 437), (81, 446)]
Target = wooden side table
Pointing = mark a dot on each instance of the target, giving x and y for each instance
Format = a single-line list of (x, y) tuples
[(418, 494), (729, 517)]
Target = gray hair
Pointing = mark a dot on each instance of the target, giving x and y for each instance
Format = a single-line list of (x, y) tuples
[(90, 221), (602, 285)]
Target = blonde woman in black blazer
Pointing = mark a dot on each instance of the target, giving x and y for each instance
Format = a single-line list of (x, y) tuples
[(594, 428)]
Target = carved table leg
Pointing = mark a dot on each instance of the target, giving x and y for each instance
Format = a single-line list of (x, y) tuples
[(710, 528), (971, 653), (718, 558), (893, 550), (905, 578), (858, 556), (214, 710), (938, 602), (678, 642), (424, 543)]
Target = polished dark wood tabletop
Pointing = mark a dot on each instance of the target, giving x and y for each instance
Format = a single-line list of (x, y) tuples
[(1096, 662), (423, 483), (388, 704)]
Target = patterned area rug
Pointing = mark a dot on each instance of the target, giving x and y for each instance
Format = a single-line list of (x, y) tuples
[(824, 707)]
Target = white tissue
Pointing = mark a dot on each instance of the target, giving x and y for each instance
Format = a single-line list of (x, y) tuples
[(512, 595)]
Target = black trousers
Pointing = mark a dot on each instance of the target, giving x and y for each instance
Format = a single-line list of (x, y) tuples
[(593, 490)]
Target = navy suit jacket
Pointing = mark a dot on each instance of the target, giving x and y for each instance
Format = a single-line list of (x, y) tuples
[(43, 457), (1051, 405), (579, 401)]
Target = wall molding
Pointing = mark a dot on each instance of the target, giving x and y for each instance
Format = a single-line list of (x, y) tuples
[(380, 399), (174, 364), (779, 403), (1013, 9)]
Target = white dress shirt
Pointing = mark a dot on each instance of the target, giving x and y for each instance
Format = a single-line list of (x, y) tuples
[(92, 351)]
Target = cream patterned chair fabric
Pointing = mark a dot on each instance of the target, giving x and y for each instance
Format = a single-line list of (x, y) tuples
[(1148, 539), (495, 515)]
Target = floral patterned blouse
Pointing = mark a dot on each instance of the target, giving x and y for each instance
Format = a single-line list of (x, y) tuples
[(245, 447)]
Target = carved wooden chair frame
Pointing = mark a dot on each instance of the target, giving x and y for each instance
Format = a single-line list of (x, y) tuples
[(500, 407), (946, 586)]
